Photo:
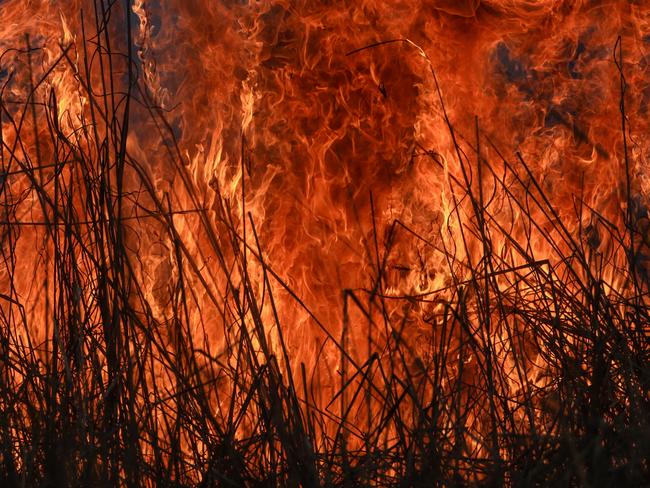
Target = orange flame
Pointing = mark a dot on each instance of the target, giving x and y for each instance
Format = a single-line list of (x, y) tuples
[(335, 178)]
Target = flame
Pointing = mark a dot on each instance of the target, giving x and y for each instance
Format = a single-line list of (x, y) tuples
[(339, 180)]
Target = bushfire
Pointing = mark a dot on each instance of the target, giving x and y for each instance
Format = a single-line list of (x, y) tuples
[(318, 243)]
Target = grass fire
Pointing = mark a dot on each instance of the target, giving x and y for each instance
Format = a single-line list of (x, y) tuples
[(315, 243)]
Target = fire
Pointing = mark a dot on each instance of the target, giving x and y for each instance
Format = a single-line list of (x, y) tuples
[(335, 224)]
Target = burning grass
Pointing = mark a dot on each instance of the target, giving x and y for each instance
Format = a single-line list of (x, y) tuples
[(143, 335)]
